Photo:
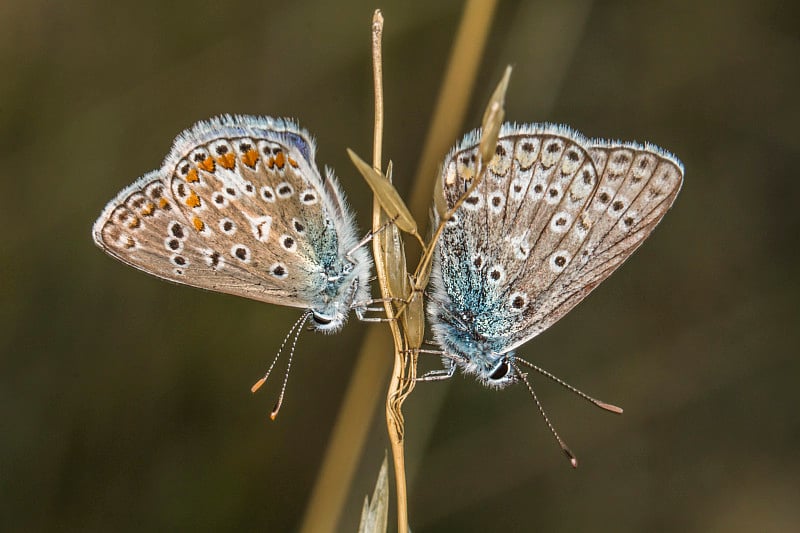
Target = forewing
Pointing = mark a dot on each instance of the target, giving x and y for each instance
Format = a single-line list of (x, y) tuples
[(238, 207), (533, 194), (555, 215)]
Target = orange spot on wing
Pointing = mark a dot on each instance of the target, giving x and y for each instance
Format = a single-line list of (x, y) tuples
[(135, 223), (293, 162), (193, 200), (163, 203), (148, 209), (271, 162), (279, 160), (192, 176), (227, 161), (250, 158), (207, 164), (198, 224), (129, 242)]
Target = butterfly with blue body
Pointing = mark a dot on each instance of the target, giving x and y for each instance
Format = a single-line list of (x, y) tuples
[(555, 214), (239, 207)]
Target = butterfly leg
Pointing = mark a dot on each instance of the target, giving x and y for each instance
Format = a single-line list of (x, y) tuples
[(378, 301), (445, 373), (365, 240), (361, 308), (361, 314), (439, 375)]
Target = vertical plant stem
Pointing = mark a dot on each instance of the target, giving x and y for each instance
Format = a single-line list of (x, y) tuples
[(347, 441), (377, 80), (380, 243)]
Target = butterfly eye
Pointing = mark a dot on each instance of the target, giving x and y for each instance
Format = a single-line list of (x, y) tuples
[(500, 371), (321, 320)]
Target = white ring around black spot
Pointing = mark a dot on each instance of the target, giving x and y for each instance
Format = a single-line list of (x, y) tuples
[(176, 230), (496, 274), (517, 302), (284, 190), (241, 253), (288, 243), (264, 148), (230, 191), (267, 194), (560, 222), (537, 189), (179, 261), (308, 197), (517, 189), (618, 206), (173, 244), (553, 193), (227, 226), (220, 148), (497, 201), (278, 270), (219, 199), (602, 198), (559, 261)]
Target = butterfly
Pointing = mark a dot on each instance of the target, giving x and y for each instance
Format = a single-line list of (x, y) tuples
[(239, 207), (555, 214)]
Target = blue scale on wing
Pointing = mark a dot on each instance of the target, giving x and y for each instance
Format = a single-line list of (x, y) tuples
[(466, 267)]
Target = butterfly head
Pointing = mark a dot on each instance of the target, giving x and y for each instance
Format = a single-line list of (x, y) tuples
[(344, 290), (331, 317), (475, 354), (475, 337), (496, 371)]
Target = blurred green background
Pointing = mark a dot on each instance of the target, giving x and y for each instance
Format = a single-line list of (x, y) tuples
[(125, 402)]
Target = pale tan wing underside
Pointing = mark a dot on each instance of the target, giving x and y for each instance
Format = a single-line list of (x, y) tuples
[(637, 187), (236, 215), (555, 215)]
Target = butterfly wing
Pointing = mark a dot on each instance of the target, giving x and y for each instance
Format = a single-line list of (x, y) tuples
[(638, 185), (534, 186), (554, 216), (238, 207)]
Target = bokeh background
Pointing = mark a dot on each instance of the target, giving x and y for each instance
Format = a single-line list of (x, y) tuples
[(125, 402)]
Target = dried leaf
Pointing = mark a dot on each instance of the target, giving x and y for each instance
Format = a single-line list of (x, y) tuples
[(493, 118), (386, 194)]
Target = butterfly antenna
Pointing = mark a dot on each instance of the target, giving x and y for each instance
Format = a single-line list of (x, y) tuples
[(572, 459), (278, 404), (545, 373), (261, 381)]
